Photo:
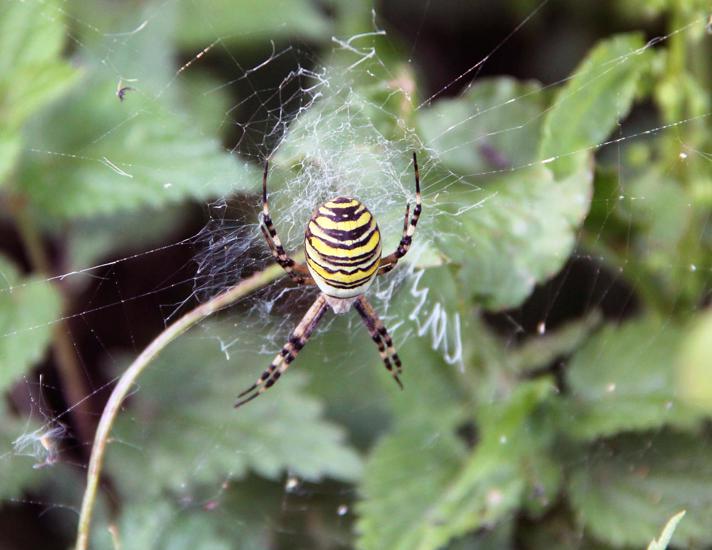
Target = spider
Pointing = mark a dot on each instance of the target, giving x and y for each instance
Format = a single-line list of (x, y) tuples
[(343, 255)]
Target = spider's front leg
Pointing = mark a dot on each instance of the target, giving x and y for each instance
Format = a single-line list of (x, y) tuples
[(390, 261), (298, 272), (297, 340)]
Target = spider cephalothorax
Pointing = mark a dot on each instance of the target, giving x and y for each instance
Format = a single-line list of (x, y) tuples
[(343, 255)]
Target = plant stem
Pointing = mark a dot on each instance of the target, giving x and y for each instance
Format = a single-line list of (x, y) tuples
[(127, 380), (74, 389)]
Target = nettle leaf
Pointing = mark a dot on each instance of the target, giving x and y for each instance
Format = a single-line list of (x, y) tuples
[(623, 378), (493, 226), (90, 241), (493, 127), (145, 59), (17, 473), (207, 99), (182, 429), (661, 211), (235, 21), (336, 148), (540, 351), (10, 147), (346, 369), (623, 494), (161, 525), (694, 364), (251, 512), (433, 489), (587, 108), (124, 156), (506, 245), (405, 475), (94, 154), (31, 459), (28, 308), (32, 72)]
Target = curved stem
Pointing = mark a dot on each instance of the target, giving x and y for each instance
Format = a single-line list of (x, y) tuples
[(127, 380)]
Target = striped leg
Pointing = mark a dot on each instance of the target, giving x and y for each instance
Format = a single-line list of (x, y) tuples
[(280, 363), (298, 272), (299, 279), (390, 261), (380, 336)]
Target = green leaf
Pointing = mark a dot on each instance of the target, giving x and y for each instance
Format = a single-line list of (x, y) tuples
[(32, 33), (658, 207), (33, 88), (669, 530), (183, 430), (31, 458), (31, 71), (431, 489), (10, 147), (496, 232), (109, 156), (587, 108), (694, 364), (17, 473), (160, 525), (347, 371), (207, 101), (493, 127), (250, 515), (625, 492), (28, 309), (94, 240), (94, 154), (505, 246), (235, 21), (540, 351), (624, 379), (406, 474), (135, 47), (338, 147)]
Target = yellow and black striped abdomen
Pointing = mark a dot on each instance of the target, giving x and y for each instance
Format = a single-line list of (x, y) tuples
[(343, 247)]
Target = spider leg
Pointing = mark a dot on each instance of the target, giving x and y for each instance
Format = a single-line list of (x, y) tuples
[(297, 271), (390, 261), (380, 336), (297, 340)]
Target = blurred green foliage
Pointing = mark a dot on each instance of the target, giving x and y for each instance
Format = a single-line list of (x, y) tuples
[(508, 450)]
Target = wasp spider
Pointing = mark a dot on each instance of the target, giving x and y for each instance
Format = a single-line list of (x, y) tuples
[(343, 255)]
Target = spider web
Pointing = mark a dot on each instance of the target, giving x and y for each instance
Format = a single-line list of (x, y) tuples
[(337, 122)]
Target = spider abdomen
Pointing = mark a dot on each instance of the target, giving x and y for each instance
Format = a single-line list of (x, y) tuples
[(343, 247)]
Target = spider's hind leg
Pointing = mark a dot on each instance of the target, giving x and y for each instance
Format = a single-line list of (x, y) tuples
[(297, 340), (379, 334)]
